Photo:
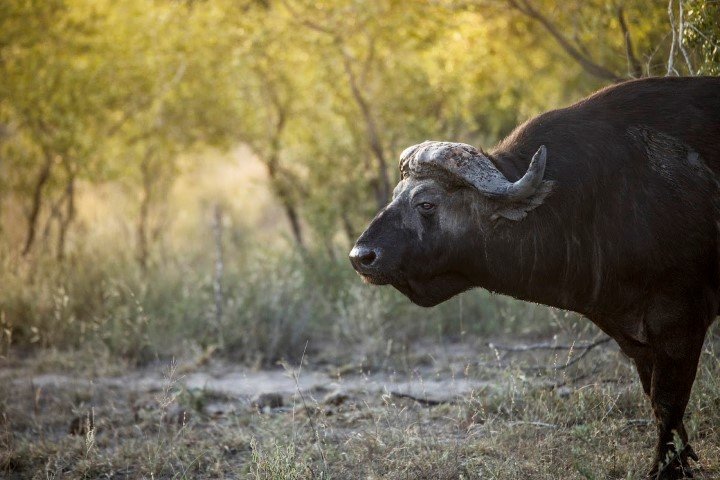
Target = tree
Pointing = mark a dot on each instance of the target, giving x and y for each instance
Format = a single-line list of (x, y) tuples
[(85, 85), (701, 32), (611, 41)]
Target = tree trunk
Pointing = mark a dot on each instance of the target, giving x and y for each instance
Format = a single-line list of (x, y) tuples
[(218, 274), (142, 224), (292, 215), (382, 190), (348, 227), (282, 191), (329, 248), (36, 205), (67, 218), (634, 65)]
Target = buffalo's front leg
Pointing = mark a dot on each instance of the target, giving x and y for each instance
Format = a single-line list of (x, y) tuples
[(674, 364), (642, 356)]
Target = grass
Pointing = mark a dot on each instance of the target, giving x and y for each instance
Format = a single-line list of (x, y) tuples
[(272, 306), (590, 421)]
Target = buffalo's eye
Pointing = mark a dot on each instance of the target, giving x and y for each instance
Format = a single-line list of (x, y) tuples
[(426, 207)]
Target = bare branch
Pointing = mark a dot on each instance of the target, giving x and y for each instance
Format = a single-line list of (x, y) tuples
[(66, 219), (681, 44), (311, 422), (544, 346), (533, 424), (428, 402), (586, 348), (145, 103), (371, 126), (465, 5), (518, 6), (584, 61), (649, 65), (633, 62), (704, 37), (217, 227), (37, 198), (369, 58), (671, 56), (308, 23)]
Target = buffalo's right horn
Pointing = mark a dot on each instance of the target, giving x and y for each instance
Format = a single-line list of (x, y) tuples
[(466, 163)]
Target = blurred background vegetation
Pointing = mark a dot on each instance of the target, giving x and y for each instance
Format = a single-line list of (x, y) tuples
[(189, 175)]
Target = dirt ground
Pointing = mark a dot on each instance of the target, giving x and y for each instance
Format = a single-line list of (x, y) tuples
[(550, 408)]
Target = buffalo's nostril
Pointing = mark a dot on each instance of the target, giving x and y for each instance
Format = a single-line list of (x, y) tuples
[(363, 257), (368, 258)]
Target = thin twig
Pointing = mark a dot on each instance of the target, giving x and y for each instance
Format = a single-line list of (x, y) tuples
[(634, 64), (681, 44), (311, 421), (671, 56), (424, 401), (584, 61), (649, 67), (704, 37), (534, 424), (586, 350), (218, 273), (542, 346), (636, 422)]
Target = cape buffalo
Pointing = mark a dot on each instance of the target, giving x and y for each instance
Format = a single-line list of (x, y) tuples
[(609, 208)]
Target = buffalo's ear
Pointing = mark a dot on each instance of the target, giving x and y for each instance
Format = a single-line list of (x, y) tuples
[(534, 188)]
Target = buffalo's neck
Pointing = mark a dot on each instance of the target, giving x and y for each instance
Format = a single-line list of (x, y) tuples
[(539, 258), (524, 264)]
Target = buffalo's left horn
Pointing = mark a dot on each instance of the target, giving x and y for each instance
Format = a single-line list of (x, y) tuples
[(532, 179)]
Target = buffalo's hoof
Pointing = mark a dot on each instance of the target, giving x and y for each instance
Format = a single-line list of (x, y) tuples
[(689, 453), (679, 467), (670, 473)]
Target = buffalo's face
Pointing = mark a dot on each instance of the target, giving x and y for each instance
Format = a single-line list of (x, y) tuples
[(426, 241), (414, 243)]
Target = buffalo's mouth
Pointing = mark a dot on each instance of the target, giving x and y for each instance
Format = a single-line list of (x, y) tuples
[(379, 278), (427, 292), (374, 279)]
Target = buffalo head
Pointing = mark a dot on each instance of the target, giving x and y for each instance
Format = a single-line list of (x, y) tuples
[(427, 242)]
